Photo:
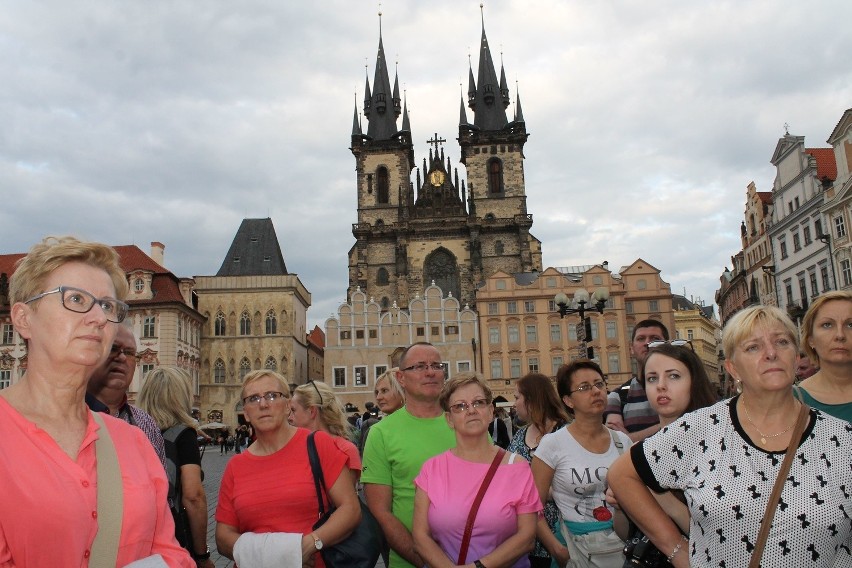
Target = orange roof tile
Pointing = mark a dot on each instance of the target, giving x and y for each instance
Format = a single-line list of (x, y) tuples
[(826, 165), (317, 337)]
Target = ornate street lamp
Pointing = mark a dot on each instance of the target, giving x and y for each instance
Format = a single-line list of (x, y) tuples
[(581, 304)]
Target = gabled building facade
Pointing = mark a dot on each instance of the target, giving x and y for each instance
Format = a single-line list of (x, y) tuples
[(256, 315), (421, 225), (698, 324), (837, 209)]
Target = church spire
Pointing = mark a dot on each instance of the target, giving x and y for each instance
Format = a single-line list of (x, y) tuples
[(406, 127), (519, 114), (489, 110), (356, 124), (382, 109)]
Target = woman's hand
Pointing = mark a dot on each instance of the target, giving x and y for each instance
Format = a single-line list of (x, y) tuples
[(308, 550), (611, 500), (560, 554)]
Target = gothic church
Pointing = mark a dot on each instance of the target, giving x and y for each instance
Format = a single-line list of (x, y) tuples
[(436, 227)]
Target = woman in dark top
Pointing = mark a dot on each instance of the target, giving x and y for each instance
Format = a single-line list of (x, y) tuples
[(166, 396), (538, 405)]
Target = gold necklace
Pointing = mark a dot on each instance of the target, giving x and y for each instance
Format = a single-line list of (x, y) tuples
[(762, 435)]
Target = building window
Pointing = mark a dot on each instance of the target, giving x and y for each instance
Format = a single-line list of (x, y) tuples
[(373, 334), (360, 376), (818, 228), (641, 284), (496, 369), (594, 326), (219, 372), (628, 307), (219, 325), (823, 272), (555, 333), (339, 374), (494, 335), (495, 176), (550, 282), (379, 370), (532, 334), (511, 307), (783, 245), (551, 306), (421, 332), (839, 226), (382, 278), (463, 366), (803, 290), (271, 364), (797, 243), (147, 368), (572, 332), (501, 285), (492, 309), (555, 363), (139, 285), (611, 330), (814, 289), (359, 334), (8, 334), (690, 334), (514, 334), (514, 368), (435, 330), (451, 330), (613, 363), (846, 272), (653, 305), (806, 232), (529, 306), (271, 323), (788, 289), (245, 368), (383, 182), (532, 364), (345, 334), (5, 378), (498, 247), (149, 325), (245, 324)]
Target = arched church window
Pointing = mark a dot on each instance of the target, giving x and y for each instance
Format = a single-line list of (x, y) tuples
[(245, 367), (245, 324), (495, 176), (271, 364), (441, 267), (219, 325), (382, 277), (383, 182), (271, 323), (498, 247), (219, 372), (385, 302)]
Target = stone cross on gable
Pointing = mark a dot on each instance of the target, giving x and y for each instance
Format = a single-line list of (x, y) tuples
[(435, 141)]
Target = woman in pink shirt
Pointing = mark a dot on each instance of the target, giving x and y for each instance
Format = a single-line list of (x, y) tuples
[(504, 527), (65, 298), (314, 406)]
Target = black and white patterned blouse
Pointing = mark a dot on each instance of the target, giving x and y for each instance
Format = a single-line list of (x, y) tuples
[(727, 482)]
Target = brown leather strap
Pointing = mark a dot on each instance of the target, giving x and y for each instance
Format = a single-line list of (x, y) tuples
[(110, 499), (775, 496), (471, 517)]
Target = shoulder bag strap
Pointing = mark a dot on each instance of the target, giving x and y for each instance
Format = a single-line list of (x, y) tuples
[(615, 440), (772, 504), (110, 500), (468, 529), (316, 470)]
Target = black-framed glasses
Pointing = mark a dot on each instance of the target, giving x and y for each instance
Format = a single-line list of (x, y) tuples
[(422, 367), (674, 342), (128, 352), (477, 404), (319, 394), (270, 396), (80, 301), (586, 387)]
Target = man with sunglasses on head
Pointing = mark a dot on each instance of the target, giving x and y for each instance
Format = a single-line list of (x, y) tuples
[(628, 409), (107, 389), (399, 445)]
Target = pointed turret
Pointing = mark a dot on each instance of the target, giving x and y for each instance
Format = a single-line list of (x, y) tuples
[(504, 88), (406, 127), (462, 114), (381, 111), (519, 114), (489, 110), (356, 124), (396, 99)]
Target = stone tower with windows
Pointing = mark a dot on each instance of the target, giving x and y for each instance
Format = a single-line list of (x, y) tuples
[(423, 225)]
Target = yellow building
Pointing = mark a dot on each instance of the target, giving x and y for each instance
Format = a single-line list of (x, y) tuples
[(699, 325)]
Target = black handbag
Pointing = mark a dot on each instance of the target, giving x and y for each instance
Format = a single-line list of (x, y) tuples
[(362, 547), (639, 551)]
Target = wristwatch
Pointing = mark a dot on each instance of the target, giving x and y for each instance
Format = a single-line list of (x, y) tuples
[(205, 556), (317, 541)]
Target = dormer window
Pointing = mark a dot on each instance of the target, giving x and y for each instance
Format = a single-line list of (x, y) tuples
[(139, 285)]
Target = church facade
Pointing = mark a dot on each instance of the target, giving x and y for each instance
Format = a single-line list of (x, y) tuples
[(429, 223)]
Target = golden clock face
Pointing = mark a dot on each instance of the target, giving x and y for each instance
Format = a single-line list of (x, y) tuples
[(437, 178)]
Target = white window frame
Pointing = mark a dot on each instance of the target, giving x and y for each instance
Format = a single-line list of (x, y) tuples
[(334, 377)]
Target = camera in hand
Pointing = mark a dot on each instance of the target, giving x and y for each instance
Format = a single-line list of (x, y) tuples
[(639, 551)]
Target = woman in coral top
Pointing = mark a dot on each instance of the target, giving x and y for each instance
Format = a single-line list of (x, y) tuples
[(66, 303), (504, 527), (270, 488)]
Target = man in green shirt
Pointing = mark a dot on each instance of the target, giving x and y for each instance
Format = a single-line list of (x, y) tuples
[(399, 445)]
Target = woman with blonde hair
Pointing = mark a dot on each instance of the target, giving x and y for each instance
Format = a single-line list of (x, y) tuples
[(252, 497), (827, 341), (389, 398), (314, 406), (56, 456), (166, 395)]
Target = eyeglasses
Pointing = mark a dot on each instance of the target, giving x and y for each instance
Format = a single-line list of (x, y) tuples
[(319, 394), (422, 367), (460, 407), (600, 385), (674, 342), (270, 396), (82, 302), (126, 351)]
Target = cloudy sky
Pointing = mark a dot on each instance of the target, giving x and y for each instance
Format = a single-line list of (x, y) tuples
[(131, 122)]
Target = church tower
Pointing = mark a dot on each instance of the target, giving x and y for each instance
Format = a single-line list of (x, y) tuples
[(423, 225)]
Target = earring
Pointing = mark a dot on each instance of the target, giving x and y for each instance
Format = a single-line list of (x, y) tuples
[(738, 386)]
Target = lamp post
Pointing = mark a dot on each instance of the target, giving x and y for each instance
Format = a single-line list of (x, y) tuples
[(826, 240), (581, 304)]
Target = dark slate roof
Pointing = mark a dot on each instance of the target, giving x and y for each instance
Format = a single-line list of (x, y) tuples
[(254, 252)]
